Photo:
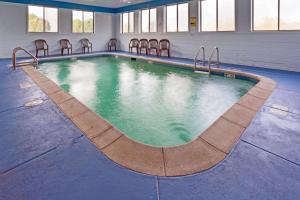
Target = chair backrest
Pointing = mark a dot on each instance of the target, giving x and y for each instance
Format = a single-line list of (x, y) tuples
[(164, 44), (40, 44), (113, 42), (143, 43), (64, 43), (85, 42), (153, 43), (134, 42)]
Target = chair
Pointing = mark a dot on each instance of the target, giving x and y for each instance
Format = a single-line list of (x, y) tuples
[(164, 45), (65, 44), (86, 44), (41, 45), (143, 45), (153, 45), (112, 44), (134, 43)]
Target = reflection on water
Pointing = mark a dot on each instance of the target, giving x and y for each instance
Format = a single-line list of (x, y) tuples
[(151, 103), (83, 76)]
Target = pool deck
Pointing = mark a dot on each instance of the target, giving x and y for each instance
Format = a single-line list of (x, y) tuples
[(44, 156)]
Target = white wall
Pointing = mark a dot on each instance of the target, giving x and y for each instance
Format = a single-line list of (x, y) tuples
[(13, 31), (280, 50)]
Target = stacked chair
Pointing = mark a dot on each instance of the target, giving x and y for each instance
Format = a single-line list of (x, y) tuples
[(65, 44), (112, 44), (134, 44), (86, 44), (41, 45), (143, 45), (153, 45), (164, 45), (160, 47)]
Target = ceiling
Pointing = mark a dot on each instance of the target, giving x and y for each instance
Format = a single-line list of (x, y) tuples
[(106, 3)]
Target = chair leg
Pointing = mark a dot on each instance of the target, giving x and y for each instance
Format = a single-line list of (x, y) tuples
[(62, 52), (36, 53)]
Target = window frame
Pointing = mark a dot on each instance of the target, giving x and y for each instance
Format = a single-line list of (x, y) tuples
[(217, 18), (149, 21), (177, 21), (121, 22), (44, 21), (278, 23), (83, 31)]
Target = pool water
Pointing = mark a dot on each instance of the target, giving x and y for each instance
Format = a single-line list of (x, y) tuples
[(154, 104)]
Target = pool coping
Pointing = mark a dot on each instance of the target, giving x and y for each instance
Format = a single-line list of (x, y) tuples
[(204, 152)]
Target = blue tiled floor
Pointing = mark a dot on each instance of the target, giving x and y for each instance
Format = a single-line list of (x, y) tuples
[(75, 171), (248, 173), (26, 133), (277, 134), (44, 156)]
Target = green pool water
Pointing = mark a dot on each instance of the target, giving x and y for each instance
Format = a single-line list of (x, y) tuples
[(154, 104)]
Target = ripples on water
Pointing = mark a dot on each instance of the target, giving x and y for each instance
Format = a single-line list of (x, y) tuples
[(151, 103)]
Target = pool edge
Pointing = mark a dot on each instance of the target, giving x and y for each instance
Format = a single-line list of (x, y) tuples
[(206, 151)]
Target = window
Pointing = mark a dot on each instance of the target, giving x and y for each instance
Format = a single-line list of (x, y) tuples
[(289, 15), (82, 22), (274, 15), (153, 20), (127, 21), (42, 19), (178, 17), (265, 15), (149, 20), (131, 22), (217, 15), (226, 15)]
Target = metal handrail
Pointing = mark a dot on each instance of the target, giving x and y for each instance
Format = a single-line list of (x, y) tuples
[(14, 58), (217, 63), (201, 50)]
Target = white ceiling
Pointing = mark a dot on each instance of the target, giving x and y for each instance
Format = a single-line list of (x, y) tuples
[(106, 3)]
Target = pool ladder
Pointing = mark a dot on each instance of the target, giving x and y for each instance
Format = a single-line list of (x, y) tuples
[(15, 64), (200, 52), (215, 62), (211, 61)]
